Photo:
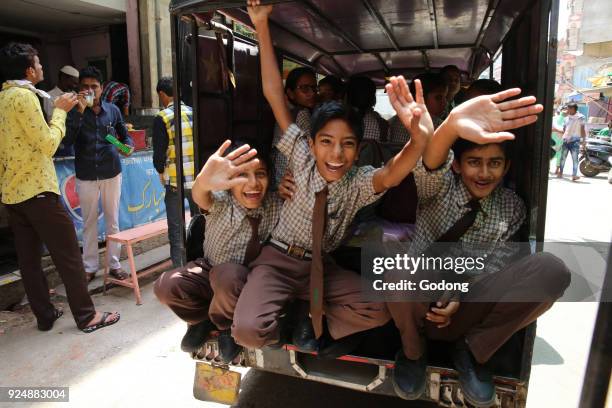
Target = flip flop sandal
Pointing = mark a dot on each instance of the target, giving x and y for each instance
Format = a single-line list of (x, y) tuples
[(119, 275), (46, 327), (90, 276), (103, 323)]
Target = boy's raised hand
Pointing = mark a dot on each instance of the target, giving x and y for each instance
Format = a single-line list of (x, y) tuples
[(257, 12), (223, 172), (485, 119), (413, 113)]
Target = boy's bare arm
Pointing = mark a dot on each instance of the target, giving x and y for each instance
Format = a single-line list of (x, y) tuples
[(272, 82), (222, 173), (481, 120), (414, 116)]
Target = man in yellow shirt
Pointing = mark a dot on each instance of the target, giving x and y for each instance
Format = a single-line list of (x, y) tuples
[(29, 189)]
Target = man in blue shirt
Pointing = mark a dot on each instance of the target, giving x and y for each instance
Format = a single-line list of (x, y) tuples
[(97, 165)]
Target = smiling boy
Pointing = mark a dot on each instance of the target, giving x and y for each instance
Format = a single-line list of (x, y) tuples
[(330, 190), (471, 206), (232, 191)]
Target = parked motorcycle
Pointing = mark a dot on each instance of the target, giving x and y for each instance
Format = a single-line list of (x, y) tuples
[(596, 157)]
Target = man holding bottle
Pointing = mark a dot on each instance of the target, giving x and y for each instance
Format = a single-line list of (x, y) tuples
[(97, 166)]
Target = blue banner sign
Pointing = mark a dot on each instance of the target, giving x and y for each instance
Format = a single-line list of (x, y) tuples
[(142, 195)]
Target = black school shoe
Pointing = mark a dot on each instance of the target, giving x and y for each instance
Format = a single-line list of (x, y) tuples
[(409, 376), (284, 333), (475, 379), (57, 313), (196, 336), (330, 348), (228, 349), (303, 336)]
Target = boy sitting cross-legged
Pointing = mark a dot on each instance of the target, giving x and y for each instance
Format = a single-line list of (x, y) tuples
[(471, 206), (232, 190)]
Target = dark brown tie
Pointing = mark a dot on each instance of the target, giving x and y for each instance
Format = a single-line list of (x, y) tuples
[(464, 223), (453, 234), (254, 246), (319, 218)]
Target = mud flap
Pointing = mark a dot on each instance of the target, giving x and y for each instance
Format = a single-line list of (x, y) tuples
[(216, 384)]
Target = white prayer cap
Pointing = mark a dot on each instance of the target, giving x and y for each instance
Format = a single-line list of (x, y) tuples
[(70, 70)]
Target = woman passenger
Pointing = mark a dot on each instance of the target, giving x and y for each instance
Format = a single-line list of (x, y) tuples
[(302, 92)]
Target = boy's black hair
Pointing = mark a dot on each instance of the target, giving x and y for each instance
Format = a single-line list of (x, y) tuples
[(486, 86), (295, 75), (16, 59), (335, 110), (450, 67), (165, 85), (361, 93), (572, 105), (263, 153), (430, 81), (336, 84), (91, 72), (461, 146)]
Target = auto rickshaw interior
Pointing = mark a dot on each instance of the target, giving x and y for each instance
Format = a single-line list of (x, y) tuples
[(219, 75)]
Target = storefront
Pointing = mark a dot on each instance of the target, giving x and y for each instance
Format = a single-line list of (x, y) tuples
[(107, 34)]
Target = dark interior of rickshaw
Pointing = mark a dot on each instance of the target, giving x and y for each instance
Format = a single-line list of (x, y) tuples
[(377, 39)]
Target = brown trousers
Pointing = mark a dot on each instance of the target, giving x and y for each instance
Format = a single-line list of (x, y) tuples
[(488, 325), (276, 278), (43, 220), (197, 291)]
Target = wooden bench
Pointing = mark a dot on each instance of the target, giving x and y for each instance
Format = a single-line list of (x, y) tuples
[(128, 238)]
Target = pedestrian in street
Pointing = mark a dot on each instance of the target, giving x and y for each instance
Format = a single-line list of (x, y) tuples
[(67, 81), (164, 161), (118, 94), (574, 134), (98, 167), (605, 132), (30, 191), (557, 138)]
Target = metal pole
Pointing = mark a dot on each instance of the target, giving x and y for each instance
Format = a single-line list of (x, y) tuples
[(178, 128), (158, 48), (597, 376), (549, 19), (195, 88)]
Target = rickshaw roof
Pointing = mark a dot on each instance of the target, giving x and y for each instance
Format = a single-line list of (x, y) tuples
[(382, 37)]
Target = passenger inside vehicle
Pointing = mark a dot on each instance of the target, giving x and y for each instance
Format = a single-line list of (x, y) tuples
[(232, 191), (435, 91), (331, 88), (458, 182), (291, 264), (451, 74), (361, 95), (482, 87), (301, 92)]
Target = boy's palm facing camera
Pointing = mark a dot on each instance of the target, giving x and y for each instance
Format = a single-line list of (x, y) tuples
[(224, 172), (413, 113), (486, 118)]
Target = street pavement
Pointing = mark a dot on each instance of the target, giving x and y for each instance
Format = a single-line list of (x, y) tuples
[(138, 362)]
